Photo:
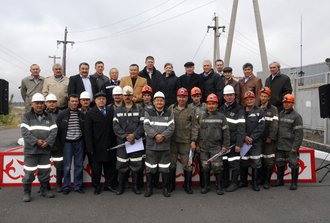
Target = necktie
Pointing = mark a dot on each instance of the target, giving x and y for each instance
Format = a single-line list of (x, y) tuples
[(104, 112)]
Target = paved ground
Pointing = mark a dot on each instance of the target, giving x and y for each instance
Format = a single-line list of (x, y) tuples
[(8, 138)]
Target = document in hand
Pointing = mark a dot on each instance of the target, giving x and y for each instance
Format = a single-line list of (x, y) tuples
[(137, 146), (244, 149)]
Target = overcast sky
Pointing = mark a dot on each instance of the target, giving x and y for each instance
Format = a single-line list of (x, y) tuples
[(124, 32)]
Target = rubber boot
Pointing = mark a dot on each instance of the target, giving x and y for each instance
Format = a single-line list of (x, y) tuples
[(201, 176), (268, 176), (206, 177), (44, 191), (243, 177), (280, 176), (261, 175), (165, 179), (157, 184), (294, 180), (255, 185), (150, 181), (27, 193), (218, 178), (234, 181), (135, 182), (188, 182), (225, 174), (121, 183), (172, 180), (59, 176)]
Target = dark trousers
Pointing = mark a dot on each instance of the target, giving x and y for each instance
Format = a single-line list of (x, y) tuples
[(34, 162), (97, 172)]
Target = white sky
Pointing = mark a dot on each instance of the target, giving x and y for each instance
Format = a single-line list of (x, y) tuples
[(123, 32)]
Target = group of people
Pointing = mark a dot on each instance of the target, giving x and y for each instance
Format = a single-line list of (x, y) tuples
[(227, 125)]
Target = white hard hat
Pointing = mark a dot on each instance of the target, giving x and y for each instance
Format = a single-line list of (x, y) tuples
[(38, 97), (84, 95), (127, 90), (51, 97), (117, 90), (228, 90), (159, 94)]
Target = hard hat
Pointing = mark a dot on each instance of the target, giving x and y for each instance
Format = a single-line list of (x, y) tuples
[(127, 90), (249, 94), (38, 97), (51, 97), (265, 90), (182, 91), (288, 98), (84, 95), (117, 90), (159, 94), (146, 89), (212, 98), (195, 90), (228, 90)]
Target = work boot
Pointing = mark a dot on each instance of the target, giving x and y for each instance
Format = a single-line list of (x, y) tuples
[(150, 180), (294, 180), (165, 179), (172, 183), (27, 193), (234, 181), (255, 185), (225, 175), (243, 177), (121, 182), (218, 178), (135, 181), (188, 182), (280, 176), (261, 175), (268, 176), (201, 176), (44, 191), (206, 177), (59, 176), (157, 184)]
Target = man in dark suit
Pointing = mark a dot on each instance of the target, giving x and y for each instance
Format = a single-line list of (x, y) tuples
[(154, 77), (190, 79), (82, 82)]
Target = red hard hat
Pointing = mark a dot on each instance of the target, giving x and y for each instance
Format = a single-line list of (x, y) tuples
[(146, 89), (212, 98), (265, 90), (195, 90), (182, 91), (288, 98), (249, 94)]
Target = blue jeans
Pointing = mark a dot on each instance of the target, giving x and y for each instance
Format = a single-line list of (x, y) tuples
[(76, 150)]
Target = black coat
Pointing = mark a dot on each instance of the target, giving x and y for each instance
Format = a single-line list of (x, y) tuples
[(157, 81), (213, 83), (108, 88), (99, 134), (172, 84), (188, 82), (76, 85)]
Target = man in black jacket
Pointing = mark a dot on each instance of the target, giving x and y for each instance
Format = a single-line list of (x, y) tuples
[(190, 79), (154, 77)]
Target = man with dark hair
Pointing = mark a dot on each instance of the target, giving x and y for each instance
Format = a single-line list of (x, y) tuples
[(219, 65), (99, 76), (229, 80), (83, 82), (249, 83), (190, 79), (154, 77)]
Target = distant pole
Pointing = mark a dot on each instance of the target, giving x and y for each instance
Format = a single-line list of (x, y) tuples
[(64, 49), (231, 33), (54, 58), (262, 46), (216, 27), (301, 46)]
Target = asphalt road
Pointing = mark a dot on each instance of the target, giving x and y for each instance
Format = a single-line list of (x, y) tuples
[(9, 137)]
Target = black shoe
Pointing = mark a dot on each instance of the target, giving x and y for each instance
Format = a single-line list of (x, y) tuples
[(80, 191), (97, 191), (66, 192), (109, 188)]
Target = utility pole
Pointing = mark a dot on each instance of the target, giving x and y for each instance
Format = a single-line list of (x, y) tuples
[(54, 58), (64, 49), (216, 27)]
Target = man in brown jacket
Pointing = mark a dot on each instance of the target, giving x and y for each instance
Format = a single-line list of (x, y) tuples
[(249, 83)]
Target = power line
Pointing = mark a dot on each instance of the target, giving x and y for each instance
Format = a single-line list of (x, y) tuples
[(201, 43)]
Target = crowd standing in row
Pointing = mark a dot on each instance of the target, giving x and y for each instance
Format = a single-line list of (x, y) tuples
[(210, 117)]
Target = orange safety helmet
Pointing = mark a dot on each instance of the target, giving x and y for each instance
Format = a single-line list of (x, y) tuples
[(288, 98), (182, 91), (195, 90), (265, 90), (249, 94), (146, 89), (212, 98)]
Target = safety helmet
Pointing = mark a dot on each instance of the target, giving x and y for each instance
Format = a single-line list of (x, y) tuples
[(182, 91), (159, 94), (38, 97), (288, 98), (51, 97), (212, 98), (265, 90), (127, 90), (228, 90), (195, 90), (146, 89), (117, 90), (249, 94), (84, 95)]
